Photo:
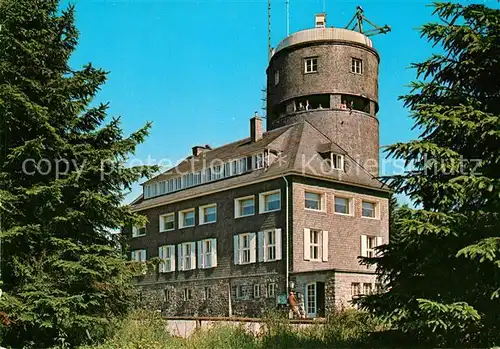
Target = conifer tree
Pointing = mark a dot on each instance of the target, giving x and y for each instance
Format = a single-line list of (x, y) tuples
[(62, 179), (442, 267)]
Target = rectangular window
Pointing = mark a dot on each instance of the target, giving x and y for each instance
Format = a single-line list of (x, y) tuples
[(207, 253), (357, 66), (167, 222), (186, 218), (313, 201), (355, 289), (258, 161), (245, 248), (369, 244), (337, 161), (244, 206), (256, 291), (368, 209), (208, 214), (167, 256), (276, 77), (138, 255), (138, 231), (270, 245), (186, 256), (367, 288), (240, 292), (270, 201), (315, 245), (378, 287), (168, 294), (311, 65), (271, 290), (342, 205), (207, 293), (188, 294)]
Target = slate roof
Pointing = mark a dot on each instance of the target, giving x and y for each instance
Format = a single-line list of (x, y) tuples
[(299, 146)]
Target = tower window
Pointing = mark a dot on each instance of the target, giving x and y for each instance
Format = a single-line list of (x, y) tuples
[(276, 77), (357, 66), (311, 65)]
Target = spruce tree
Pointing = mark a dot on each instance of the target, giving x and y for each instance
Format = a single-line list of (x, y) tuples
[(442, 267), (63, 175)]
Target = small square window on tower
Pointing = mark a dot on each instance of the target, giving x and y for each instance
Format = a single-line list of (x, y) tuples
[(311, 65), (276, 77), (357, 66)]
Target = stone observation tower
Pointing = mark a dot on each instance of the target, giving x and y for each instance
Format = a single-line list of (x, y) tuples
[(317, 74)]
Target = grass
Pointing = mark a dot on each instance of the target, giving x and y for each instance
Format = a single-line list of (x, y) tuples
[(346, 329)]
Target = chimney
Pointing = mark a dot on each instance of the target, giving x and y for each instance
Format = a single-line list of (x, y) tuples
[(256, 128), (198, 149), (320, 20)]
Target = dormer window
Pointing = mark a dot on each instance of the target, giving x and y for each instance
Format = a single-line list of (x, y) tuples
[(337, 161)]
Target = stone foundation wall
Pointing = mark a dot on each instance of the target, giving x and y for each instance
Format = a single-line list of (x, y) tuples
[(170, 297)]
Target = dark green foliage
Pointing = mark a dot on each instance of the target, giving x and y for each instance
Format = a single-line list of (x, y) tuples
[(443, 264), (64, 279)]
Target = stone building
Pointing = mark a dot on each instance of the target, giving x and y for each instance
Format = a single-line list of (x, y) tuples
[(237, 226)]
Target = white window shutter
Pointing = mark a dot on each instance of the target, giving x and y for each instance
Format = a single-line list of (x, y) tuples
[(172, 257), (214, 252), (200, 252), (325, 245), (236, 208), (307, 243), (161, 255), (253, 248), (260, 244), (278, 243), (179, 257), (364, 246), (143, 255), (193, 255), (132, 255), (379, 243), (236, 250)]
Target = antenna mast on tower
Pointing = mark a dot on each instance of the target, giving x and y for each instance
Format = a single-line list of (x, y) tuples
[(287, 18), (356, 24), (269, 48)]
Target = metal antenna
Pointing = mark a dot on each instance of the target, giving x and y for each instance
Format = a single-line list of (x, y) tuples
[(287, 18), (356, 24), (269, 48)]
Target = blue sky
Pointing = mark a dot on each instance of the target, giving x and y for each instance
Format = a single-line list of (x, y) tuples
[(196, 68)]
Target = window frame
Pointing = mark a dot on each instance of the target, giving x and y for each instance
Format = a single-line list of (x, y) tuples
[(162, 225), (136, 230), (182, 215), (207, 293), (167, 260), (202, 214), (267, 246), (367, 286), (318, 245), (375, 209), (310, 63), (239, 209), (321, 201), (355, 286), (262, 201), (187, 294), (276, 77), (337, 161), (256, 291), (355, 64), (241, 249), (271, 286), (350, 210), (133, 252), (204, 253), (186, 257)]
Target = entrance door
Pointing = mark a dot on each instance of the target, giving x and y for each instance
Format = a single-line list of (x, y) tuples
[(315, 299), (311, 300)]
